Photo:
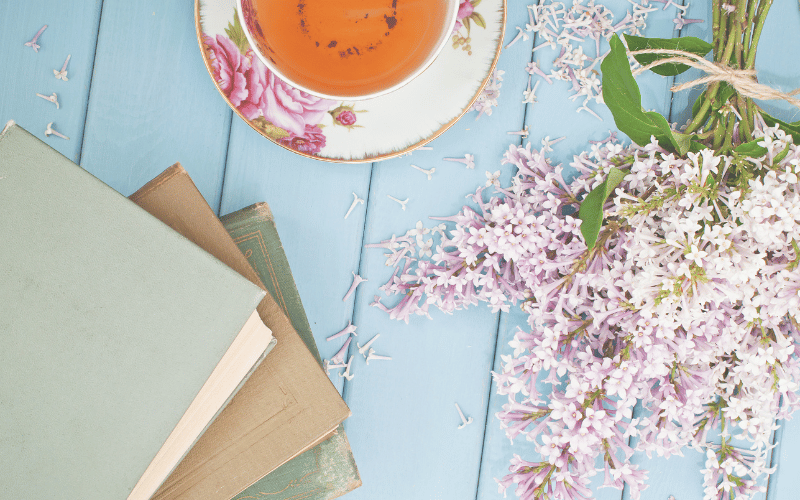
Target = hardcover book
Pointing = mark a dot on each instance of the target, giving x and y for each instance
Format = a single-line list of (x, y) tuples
[(328, 470), (121, 340), (285, 408)]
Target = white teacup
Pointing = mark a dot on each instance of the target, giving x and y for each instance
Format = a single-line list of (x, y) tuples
[(333, 49)]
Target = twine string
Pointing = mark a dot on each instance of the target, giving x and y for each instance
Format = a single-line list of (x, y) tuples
[(743, 80)]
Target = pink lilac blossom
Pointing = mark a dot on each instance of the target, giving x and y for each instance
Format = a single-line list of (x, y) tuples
[(487, 99), (682, 320), (577, 31)]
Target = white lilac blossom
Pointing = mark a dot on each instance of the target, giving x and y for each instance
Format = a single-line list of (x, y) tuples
[(465, 421), (429, 172), (487, 99), (468, 160), (680, 321), (365, 347), (51, 131), (572, 31), (372, 356), (401, 202), (52, 98), (346, 373), (356, 201), (62, 74)]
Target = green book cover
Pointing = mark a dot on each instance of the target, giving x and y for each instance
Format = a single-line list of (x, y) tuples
[(328, 470), (111, 323)]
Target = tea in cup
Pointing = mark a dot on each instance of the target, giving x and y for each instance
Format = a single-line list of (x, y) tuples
[(348, 49)]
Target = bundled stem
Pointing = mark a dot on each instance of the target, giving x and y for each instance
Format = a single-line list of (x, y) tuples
[(736, 34)]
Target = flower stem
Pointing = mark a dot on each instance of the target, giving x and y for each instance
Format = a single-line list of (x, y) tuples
[(715, 24), (733, 36), (727, 143), (746, 125), (761, 16), (748, 34)]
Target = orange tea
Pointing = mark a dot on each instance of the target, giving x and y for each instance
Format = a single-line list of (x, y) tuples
[(349, 47)]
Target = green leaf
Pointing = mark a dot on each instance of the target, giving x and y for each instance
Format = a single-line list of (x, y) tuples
[(696, 147), (479, 20), (474, 3), (621, 95), (466, 24), (591, 211), (751, 149), (780, 156), (236, 33), (684, 44), (724, 93), (792, 129)]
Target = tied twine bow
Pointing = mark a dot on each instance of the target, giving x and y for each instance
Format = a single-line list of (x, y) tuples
[(743, 80)]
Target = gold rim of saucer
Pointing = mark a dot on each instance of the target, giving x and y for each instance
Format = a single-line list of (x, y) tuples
[(368, 159)]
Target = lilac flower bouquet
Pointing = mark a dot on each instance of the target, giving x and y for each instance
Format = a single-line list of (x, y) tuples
[(661, 284)]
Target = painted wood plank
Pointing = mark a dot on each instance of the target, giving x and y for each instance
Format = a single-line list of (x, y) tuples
[(309, 199), (404, 430), (776, 64), (778, 55), (152, 102), (71, 29)]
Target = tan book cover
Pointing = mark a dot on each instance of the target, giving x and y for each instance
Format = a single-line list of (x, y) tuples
[(287, 406)]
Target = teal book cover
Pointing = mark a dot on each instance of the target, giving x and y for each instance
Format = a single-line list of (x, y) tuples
[(328, 470), (111, 324)]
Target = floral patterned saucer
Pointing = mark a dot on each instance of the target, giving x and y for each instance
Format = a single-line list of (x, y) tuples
[(352, 132)]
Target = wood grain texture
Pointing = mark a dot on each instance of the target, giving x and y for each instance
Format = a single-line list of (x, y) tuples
[(777, 65), (152, 103), (308, 199), (407, 442), (71, 29)]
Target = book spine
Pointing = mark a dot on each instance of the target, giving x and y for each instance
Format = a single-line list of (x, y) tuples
[(328, 470), (253, 229)]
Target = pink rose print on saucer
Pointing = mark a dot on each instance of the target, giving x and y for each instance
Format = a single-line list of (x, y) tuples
[(292, 109), (285, 114), (229, 67), (311, 142), (465, 10), (467, 15), (345, 116)]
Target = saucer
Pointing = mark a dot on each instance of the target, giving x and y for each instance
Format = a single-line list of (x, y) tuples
[(352, 132)]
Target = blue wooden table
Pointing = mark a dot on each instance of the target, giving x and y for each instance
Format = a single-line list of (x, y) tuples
[(139, 99)]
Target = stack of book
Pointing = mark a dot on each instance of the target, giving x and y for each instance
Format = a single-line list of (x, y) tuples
[(133, 334)]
